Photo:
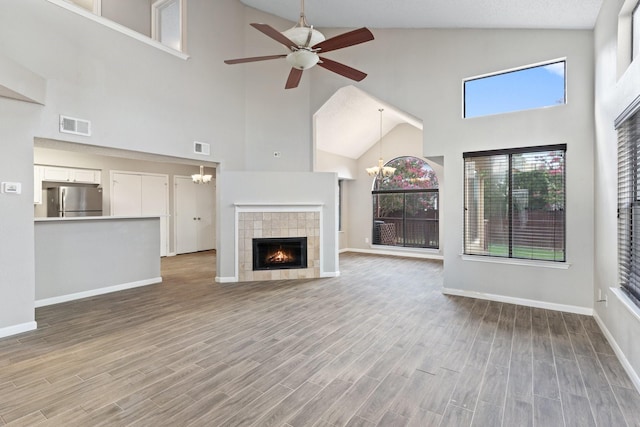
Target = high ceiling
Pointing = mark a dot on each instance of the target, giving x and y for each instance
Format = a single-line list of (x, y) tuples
[(348, 123), (557, 14)]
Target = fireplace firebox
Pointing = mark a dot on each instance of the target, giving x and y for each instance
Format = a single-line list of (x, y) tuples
[(279, 253)]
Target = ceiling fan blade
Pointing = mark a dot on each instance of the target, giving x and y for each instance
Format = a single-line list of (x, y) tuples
[(343, 70), (253, 59), (294, 78), (351, 38), (274, 34)]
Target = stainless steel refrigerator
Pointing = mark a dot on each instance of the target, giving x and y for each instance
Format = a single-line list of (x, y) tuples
[(74, 201)]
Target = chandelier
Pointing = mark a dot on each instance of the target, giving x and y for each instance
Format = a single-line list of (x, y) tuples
[(380, 170), (201, 178)]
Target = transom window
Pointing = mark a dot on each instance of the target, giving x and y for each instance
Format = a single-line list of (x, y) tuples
[(514, 203), (516, 90), (405, 205)]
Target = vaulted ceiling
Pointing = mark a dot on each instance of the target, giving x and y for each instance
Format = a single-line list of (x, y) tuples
[(557, 14), (348, 123)]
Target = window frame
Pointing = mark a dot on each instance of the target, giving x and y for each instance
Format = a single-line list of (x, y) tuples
[(509, 213), (79, 10), (510, 71), (635, 32), (156, 7), (376, 191), (628, 201)]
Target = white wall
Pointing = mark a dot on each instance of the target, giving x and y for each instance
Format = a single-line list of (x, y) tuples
[(421, 72), (276, 119), (612, 96), (345, 167), (17, 278)]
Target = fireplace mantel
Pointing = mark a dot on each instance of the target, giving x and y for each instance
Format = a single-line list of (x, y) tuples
[(270, 206)]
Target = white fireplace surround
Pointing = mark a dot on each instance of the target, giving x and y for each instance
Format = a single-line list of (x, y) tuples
[(310, 213)]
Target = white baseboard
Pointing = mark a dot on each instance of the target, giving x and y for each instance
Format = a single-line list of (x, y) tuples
[(95, 292), (398, 253), (633, 375), (329, 274), (17, 329), (520, 301), (220, 279)]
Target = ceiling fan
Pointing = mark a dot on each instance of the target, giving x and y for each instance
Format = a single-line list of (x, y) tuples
[(305, 43)]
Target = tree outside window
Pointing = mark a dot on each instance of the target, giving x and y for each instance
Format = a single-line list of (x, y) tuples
[(405, 205)]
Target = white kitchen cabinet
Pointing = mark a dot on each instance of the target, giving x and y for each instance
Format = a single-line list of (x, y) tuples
[(61, 174), (50, 173), (84, 176), (37, 185)]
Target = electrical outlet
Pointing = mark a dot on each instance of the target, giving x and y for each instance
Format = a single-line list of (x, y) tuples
[(599, 294), (366, 240)]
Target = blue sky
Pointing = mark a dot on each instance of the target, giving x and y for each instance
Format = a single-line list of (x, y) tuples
[(518, 90)]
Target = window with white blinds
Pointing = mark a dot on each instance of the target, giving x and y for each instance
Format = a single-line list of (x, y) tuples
[(514, 203), (629, 204)]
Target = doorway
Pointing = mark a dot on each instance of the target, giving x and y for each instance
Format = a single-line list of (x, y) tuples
[(194, 213)]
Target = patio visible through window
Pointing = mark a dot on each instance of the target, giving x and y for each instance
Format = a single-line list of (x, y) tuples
[(405, 205)]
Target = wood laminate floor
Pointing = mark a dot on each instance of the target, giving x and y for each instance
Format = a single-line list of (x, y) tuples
[(379, 345)]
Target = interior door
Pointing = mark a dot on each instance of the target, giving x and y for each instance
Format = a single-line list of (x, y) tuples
[(206, 208), (125, 194), (186, 215)]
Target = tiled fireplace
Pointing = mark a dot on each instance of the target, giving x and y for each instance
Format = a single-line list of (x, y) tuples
[(287, 228)]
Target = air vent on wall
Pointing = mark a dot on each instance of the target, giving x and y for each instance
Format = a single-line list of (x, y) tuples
[(201, 148), (75, 126)]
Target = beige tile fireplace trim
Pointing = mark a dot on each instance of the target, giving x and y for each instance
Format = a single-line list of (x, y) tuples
[(253, 220)]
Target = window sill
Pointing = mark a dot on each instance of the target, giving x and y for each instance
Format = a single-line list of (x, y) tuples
[(118, 27), (624, 299), (514, 261)]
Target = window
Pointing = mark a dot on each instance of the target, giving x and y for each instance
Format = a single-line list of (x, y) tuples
[(167, 23), (635, 31), (405, 205), (92, 6), (629, 205), (138, 19), (522, 89), (514, 203)]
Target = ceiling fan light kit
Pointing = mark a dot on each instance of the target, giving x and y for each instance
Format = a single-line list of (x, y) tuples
[(304, 44)]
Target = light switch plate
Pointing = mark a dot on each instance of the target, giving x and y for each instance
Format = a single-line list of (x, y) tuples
[(11, 187)]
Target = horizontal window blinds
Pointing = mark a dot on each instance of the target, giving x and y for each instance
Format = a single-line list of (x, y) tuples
[(629, 205), (514, 203)]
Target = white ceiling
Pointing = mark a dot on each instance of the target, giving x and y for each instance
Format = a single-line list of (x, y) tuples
[(558, 14), (348, 124)]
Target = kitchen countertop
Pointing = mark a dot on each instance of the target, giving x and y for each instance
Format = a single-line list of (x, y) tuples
[(93, 218)]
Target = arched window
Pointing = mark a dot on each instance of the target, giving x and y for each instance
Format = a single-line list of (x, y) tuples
[(405, 205)]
